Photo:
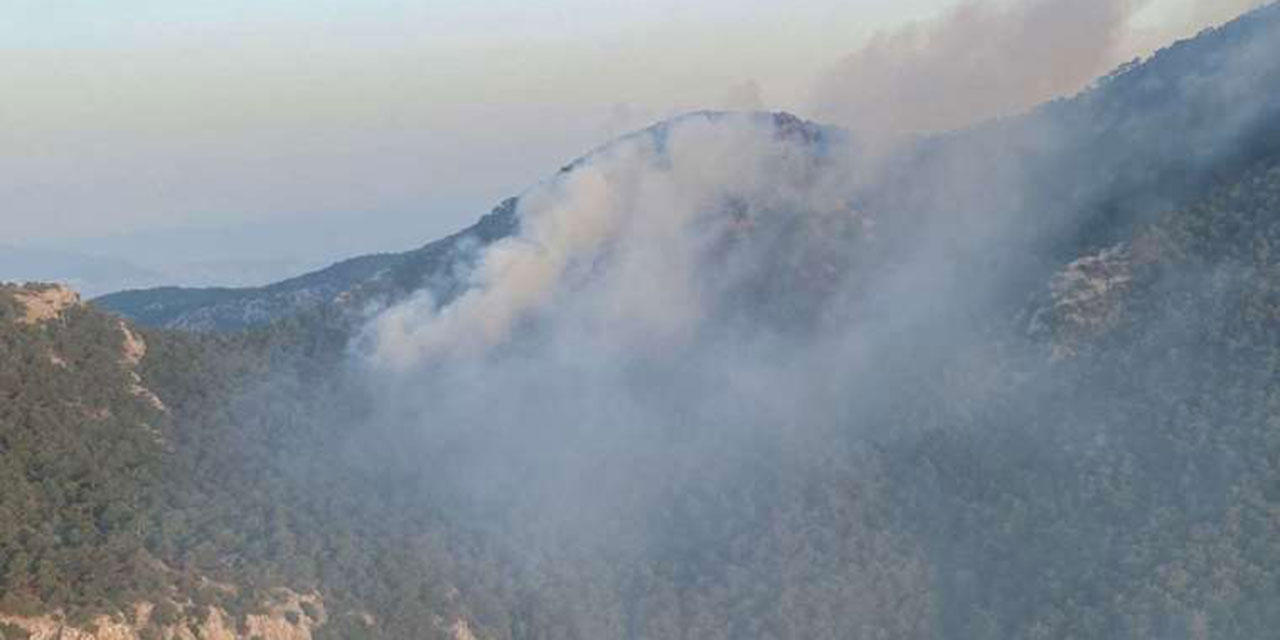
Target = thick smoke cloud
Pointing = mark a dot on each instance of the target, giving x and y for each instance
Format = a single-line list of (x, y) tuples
[(686, 282), (730, 310), (673, 317), (617, 246), (744, 96), (1212, 12), (977, 61), (735, 274)]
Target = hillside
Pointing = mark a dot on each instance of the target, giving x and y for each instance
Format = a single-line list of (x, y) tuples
[(727, 377), (230, 309), (139, 502), (89, 471), (1160, 508)]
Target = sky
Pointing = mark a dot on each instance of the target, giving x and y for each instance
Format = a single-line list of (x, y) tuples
[(249, 139)]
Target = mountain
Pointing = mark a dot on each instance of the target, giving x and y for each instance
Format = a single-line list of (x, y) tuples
[(371, 279), (1114, 138), (88, 451), (89, 274), (228, 309), (728, 377)]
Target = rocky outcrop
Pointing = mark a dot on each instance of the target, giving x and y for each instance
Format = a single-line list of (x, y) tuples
[(461, 630), (134, 349), (1087, 300), (43, 302), (36, 304), (290, 616), (50, 628)]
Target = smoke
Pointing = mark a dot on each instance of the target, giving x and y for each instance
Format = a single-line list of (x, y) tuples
[(744, 96), (1212, 12), (617, 248), (698, 331), (670, 304), (977, 61)]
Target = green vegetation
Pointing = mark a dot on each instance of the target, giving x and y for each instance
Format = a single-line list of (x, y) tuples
[(109, 501), (77, 465)]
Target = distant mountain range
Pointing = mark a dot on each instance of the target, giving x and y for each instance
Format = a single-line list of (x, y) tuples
[(376, 275), (96, 275), (91, 275)]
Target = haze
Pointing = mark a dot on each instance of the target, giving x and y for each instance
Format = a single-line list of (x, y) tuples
[(241, 141)]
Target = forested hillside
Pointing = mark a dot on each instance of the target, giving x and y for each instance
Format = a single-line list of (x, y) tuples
[(1138, 498)]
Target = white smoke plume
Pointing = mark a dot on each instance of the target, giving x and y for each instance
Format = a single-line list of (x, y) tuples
[(721, 300), (977, 61), (673, 293), (627, 231), (743, 271), (744, 96), (1211, 12)]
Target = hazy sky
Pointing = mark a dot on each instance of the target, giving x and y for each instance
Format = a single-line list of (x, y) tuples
[(311, 129)]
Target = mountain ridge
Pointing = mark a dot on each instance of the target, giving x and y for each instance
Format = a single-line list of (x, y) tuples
[(370, 277), (1171, 83)]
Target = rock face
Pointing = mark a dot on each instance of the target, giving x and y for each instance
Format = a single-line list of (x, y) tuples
[(134, 349), (462, 631), (1088, 297), (289, 617), (44, 302)]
